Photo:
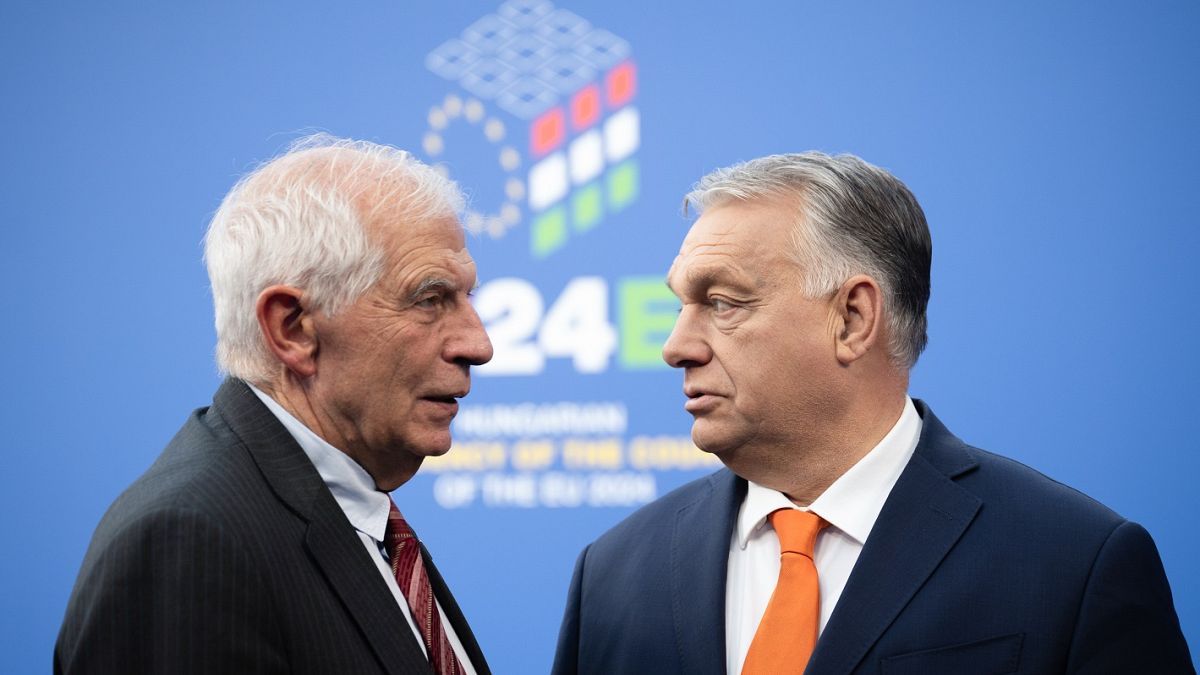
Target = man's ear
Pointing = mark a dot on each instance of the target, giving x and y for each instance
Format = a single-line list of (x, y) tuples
[(859, 302), (287, 328)]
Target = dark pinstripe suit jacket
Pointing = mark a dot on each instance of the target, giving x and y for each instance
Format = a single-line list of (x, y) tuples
[(230, 555)]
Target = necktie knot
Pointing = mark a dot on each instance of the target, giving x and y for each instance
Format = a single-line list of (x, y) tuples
[(398, 531), (797, 530)]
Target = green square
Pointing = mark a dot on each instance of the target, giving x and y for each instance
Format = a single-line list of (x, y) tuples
[(622, 184), (586, 207), (549, 232)]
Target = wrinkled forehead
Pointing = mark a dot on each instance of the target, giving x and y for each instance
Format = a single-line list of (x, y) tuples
[(745, 240), (424, 255), (722, 235), (707, 257)]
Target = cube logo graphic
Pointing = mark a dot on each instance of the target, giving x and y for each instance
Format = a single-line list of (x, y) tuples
[(555, 98)]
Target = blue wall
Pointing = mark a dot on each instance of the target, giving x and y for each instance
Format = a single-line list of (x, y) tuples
[(1052, 145)]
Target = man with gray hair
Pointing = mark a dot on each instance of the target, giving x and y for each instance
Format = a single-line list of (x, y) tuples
[(263, 539), (850, 531)]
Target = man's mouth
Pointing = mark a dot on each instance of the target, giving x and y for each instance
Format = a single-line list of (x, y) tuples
[(699, 400), (442, 399)]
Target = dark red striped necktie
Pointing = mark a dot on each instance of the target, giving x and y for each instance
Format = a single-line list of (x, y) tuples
[(409, 568)]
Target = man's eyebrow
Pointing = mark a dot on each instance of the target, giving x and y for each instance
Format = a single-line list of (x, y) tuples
[(433, 284), (703, 277)]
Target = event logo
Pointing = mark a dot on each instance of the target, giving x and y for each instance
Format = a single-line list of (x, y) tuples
[(554, 97), (541, 127)]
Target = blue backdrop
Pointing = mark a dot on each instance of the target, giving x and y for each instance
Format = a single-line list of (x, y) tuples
[(1052, 145)]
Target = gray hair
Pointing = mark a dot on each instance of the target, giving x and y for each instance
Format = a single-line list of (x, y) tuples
[(300, 220), (852, 218)]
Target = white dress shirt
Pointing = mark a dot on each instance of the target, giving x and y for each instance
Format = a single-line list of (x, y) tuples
[(850, 505), (365, 507)]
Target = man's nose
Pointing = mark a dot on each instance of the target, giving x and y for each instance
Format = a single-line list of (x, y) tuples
[(470, 344), (686, 346)]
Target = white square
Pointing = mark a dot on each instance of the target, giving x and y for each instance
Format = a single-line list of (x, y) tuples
[(622, 134), (548, 181), (586, 157)]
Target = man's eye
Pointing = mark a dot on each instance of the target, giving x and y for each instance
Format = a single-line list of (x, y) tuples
[(429, 302), (720, 305)]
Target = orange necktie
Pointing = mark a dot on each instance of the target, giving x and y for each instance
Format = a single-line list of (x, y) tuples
[(787, 633)]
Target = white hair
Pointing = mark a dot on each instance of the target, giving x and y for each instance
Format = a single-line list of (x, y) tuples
[(300, 220), (851, 218)]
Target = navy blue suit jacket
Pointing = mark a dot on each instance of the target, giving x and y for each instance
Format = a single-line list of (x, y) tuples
[(977, 564)]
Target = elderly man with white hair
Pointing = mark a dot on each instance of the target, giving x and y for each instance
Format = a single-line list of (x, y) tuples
[(263, 539)]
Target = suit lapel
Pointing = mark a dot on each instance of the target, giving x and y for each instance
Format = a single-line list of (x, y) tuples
[(454, 615), (329, 538), (923, 518), (699, 560), (340, 555)]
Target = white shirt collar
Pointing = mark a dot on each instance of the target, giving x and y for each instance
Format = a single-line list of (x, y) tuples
[(364, 505), (853, 502)]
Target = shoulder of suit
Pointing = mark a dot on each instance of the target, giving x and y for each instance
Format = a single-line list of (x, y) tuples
[(1007, 487), (660, 513), (1007, 484), (203, 470)]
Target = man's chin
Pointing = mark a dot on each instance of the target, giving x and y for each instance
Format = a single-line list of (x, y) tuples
[(427, 446), (712, 441), (436, 447)]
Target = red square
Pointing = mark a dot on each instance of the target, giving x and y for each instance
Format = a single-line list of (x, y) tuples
[(621, 84), (585, 107), (547, 131)]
